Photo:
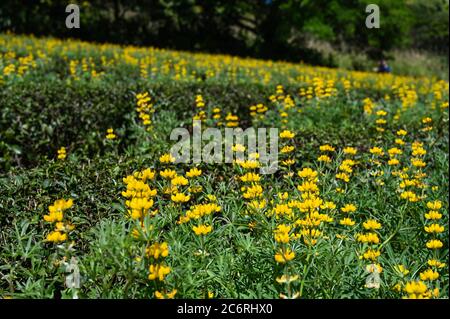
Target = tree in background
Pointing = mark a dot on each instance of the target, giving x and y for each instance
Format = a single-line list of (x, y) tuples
[(276, 29)]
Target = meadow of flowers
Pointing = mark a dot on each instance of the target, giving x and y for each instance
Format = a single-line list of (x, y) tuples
[(92, 204)]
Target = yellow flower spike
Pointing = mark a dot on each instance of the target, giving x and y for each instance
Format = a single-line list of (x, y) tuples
[(54, 217), (343, 176), (371, 254), (250, 178)]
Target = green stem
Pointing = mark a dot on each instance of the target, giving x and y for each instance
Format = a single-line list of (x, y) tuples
[(305, 271)]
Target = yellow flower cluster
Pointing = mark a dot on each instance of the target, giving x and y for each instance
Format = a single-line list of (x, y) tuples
[(371, 250), (157, 269), (200, 105), (287, 149), (434, 229), (232, 120), (56, 216), (258, 110), (348, 209), (139, 194), (419, 290), (199, 211), (110, 134), (381, 121), (368, 105), (140, 198), (62, 153), (145, 109)]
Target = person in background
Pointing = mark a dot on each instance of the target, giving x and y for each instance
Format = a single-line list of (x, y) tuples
[(383, 67)]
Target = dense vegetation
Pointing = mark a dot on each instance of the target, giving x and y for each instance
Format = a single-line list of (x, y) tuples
[(292, 30), (358, 208)]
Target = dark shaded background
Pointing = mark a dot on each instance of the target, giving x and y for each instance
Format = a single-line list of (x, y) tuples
[(272, 29)]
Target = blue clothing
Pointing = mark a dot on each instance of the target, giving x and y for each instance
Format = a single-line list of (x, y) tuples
[(384, 69)]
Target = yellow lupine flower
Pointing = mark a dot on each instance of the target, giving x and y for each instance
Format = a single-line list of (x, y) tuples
[(372, 224), (193, 172), (434, 228), (429, 274), (250, 177), (179, 181), (180, 198), (202, 229), (158, 271), (415, 289), (433, 215), (350, 150), (371, 238), (371, 254), (436, 205), (56, 237), (343, 176), (166, 158), (324, 158), (284, 256), (286, 134), (168, 173), (110, 134), (167, 295), (308, 173), (157, 250), (349, 208), (62, 153), (376, 150), (434, 244), (326, 148), (347, 222), (435, 263), (401, 269)]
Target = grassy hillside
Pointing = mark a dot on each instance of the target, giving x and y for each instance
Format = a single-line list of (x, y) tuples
[(357, 209)]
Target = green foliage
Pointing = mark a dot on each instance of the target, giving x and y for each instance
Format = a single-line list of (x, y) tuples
[(269, 29), (48, 107)]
